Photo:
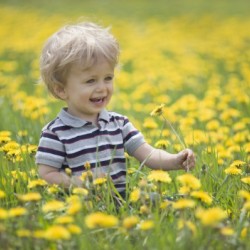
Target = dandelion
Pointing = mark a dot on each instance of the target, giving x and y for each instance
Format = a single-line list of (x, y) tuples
[(161, 144), (135, 195), (150, 124), (244, 194), (233, 171), (164, 204), (87, 165), (146, 225), (144, 209), (99, 181), (247, 206), (17, 211), (99, 219), (130, 222), (158, 110), (82, 191), (74, 229), (227, 231), (23, 233), (243, 233), (37, 183), (53, 206), (159, 176), (68, 171), (190, 181), (183, 204), (57, 232), (211, 216), (203, 196), (30, 197), (2, 194), (246, 180), (3, 214), (64, 219), (237, 163)]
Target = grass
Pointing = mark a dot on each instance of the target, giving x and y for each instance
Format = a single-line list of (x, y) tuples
[(199, 69)]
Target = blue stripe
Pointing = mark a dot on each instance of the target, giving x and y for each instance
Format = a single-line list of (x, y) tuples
[(130, 135), (51, 151), (91, 135), (94, 150), (99, 164)]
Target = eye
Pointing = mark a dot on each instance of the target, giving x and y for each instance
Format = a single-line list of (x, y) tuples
[(109, 78), (90, 81)]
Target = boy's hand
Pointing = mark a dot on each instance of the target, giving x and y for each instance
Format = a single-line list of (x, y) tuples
[(186, 159)]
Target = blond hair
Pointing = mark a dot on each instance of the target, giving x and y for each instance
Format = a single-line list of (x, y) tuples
[(81, 44)]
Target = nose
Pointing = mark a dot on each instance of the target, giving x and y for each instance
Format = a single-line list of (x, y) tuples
[(100, 86)]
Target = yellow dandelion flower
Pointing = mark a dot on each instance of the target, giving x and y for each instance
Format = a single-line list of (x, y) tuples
[(183, 204), (2, 194), (99, 219), (246, 206), (74, 208), (135, 195), (30, 197), (64, 219), (3, 214), (189, 180), (243, 233), (227, 231), (244, 194), (165, 204), (184, 190), (233, 171), (53, 189), (17, 211), (81, 191), (57, 232), (163, 144), (159, 176), (87, 165), (146, 225), (53, 206), (99, 181), (131, 170), (5, 133), (23, 233), (37, 183), (203, 196), (130, 222), (144, 209), (237, 163), (38, 234), (74, 229), (211, 216), (150, 124), (244, 179), (158, 110), (68, 171)]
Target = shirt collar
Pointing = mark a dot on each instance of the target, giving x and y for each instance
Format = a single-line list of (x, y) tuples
[(76, 122)]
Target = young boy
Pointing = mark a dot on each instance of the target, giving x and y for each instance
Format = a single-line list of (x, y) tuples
[(77, 66)]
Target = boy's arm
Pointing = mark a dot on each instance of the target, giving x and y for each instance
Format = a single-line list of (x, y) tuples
[(160, 159), (53, 176)]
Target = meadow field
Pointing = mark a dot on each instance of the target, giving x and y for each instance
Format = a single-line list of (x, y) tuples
[(183, 80)]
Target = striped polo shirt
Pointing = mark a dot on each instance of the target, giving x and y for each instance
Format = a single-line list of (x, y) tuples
[(70, 142)]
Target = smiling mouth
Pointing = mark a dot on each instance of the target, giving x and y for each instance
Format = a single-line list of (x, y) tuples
[(98, 100)]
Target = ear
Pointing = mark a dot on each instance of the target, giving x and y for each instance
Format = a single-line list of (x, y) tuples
[(59, 89)]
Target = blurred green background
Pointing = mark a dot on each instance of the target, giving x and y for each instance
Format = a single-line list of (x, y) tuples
[(134, 9)]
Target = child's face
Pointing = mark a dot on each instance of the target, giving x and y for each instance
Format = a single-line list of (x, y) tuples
[(88, 91)]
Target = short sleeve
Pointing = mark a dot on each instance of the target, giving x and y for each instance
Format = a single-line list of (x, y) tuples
[(132, 138), (50, 150)]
